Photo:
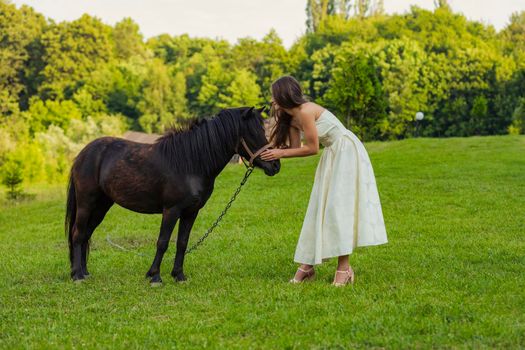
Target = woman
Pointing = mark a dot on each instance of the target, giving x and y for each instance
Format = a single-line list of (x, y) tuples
[(344, 210)]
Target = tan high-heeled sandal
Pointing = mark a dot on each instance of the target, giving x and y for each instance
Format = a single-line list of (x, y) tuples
[(349, 278), (310, 274)]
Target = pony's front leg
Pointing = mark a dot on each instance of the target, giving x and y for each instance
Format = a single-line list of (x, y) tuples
[(186, 223), (169, 219)]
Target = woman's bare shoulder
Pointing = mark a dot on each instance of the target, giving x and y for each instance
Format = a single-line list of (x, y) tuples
[(312, 109), (308, 110)]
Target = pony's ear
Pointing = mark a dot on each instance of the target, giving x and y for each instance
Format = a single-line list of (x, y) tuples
[(261, 110), (248, 113)]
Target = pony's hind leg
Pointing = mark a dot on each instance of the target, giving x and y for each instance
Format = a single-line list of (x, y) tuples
[(169, 219), (79, 238), (103, 204)]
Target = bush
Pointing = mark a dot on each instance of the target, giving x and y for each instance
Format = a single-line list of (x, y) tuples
[(12, 178)]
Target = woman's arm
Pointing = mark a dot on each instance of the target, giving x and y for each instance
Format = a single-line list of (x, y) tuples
[(310, 148), (295, 137)]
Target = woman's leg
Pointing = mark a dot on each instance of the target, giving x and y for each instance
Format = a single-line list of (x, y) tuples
[(343, 264), (300, 275)]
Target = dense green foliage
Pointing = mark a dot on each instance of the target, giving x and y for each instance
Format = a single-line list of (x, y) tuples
[(451, 275), (63, 83)]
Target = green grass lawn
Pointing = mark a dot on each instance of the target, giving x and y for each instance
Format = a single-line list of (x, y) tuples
[(452, 274)]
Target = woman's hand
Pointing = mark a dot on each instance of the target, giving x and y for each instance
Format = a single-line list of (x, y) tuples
[(272, 154)]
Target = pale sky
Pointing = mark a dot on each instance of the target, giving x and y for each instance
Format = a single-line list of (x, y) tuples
[(233, 19)]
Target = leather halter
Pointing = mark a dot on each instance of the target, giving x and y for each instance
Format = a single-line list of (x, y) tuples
[(252, 155)]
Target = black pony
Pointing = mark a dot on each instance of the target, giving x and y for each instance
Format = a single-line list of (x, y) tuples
[(174, 176)]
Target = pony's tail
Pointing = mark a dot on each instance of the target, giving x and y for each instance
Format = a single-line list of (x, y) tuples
[(71, 213)]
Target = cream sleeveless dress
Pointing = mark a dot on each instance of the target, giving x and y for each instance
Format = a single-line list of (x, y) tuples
[(344, 211)]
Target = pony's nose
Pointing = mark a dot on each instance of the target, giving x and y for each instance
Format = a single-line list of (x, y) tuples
[(276, 166)]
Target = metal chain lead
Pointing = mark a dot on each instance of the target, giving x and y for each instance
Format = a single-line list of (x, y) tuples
[(212, 227)]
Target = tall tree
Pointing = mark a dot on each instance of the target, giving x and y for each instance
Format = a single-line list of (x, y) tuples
[(275, 62), (355, 93), (120, 86), (20, 30), (127, 38), (158, 105), (514, 37), (214, 85), (72, 51), (344, 9), (242, 91), (379, 8), (442, 4), (362, 8), (405, 82), (318, 10), (322, 70), (180, 102)]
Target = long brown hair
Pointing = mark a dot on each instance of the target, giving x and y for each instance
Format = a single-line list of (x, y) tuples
[(287, 93)]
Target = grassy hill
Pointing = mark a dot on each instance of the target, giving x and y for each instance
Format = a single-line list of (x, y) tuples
[(452, 274)]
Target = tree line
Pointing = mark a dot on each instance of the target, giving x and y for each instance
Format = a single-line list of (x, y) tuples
[(63, 84)]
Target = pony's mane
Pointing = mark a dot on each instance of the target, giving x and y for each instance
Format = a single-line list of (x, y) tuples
[(202, 145), (185, 126)]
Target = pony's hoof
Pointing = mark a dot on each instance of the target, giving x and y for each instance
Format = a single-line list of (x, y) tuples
[(77, 276), (180, 278), (79, 280), (156, 281), (155, 284)]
